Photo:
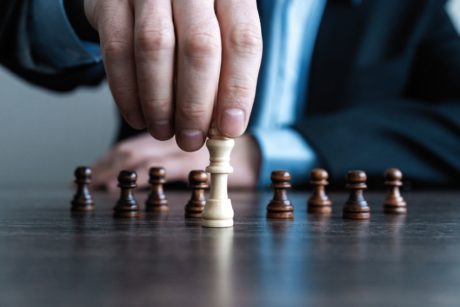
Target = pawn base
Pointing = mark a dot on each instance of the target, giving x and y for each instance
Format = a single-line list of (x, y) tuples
[(156, 205), (194, 209), (280, 215), (217, 213), (324, 209), (356, 210), (356, 215), (193, 215), (126, 209), (319, 206), (391, 209), (126, 214), (82, 204), (163, 208), (80, 208), (280, 209)]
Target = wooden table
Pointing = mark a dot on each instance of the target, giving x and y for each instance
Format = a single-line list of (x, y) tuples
[(49, 257)]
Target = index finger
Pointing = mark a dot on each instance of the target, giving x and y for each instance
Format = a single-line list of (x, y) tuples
[(115, 27)]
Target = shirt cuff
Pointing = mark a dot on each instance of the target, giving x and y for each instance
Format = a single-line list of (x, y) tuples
[(284, 149), (54, 41)]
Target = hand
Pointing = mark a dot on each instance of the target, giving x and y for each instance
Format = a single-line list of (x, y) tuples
[(142, 152), (177, 77)]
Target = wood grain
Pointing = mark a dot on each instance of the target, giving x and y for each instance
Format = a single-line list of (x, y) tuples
[(51, 257)]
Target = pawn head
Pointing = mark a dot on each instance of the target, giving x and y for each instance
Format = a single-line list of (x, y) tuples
[(319, 174), (356, 176), (82, 172), (393, 174), (157, 172), (127, 178), (280, 176), (198, 176)]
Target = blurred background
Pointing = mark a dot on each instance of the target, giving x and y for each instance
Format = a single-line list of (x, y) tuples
[(44, 135)]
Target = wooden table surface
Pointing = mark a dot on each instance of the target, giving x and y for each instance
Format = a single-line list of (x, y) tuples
[(49, 257)]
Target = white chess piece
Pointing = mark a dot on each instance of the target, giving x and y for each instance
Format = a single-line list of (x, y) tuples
[(218, 211)]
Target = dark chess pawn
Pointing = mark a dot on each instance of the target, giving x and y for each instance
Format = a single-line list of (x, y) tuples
[(394, 202), (319, 202), (198, 182), (280, 206), (127, 204), (356, 206), (157, 202), (82, 200)]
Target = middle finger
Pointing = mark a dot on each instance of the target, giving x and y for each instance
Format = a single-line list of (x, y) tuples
[(199, 60)]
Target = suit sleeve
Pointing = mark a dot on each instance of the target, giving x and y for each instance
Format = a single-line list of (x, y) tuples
[(39, 44), (419, 133)]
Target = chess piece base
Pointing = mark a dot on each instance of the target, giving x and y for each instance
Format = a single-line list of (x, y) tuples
[(80, 208), (126, 211), (82, 205), (280, 215), (322, 209), (157, 208), (356, 210), (126, 214), (357, 215), (194, 209), (217, 223), (126, 207), (217, 213), (321, 206), (280, 209), (392, 209), (195, 215), (156, 205)]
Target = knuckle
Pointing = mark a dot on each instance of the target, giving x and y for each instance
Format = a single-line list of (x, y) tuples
[(239, 93), (193, 111), (201, 44), (116, 49), (246, 39), (123, 150), (155, 39), (157, 104)]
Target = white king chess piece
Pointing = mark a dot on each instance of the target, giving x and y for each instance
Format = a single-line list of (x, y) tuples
[(218, 211)]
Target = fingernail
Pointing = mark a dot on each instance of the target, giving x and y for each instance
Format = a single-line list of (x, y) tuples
[(161, 130), (190, 139), (232, 122)]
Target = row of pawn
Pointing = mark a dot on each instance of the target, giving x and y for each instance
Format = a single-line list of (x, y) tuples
[(127, 204), (280, 207), (356, 207)]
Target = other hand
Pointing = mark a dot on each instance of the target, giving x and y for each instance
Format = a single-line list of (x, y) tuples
[(173, 66), (142, 152)]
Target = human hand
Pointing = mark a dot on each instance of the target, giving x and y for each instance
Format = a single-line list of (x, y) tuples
[(142, 152), (211, 77)]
